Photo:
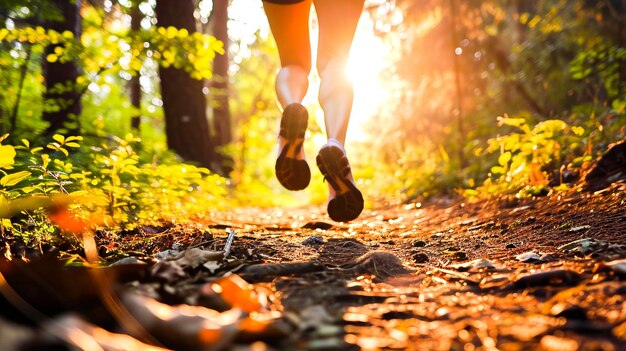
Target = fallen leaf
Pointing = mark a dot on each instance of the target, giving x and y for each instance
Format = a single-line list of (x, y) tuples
[(67, 220), (238, 293), (184, 327), (583, 246), (85, 336), (579, 228), (212, 266), (617, 266)]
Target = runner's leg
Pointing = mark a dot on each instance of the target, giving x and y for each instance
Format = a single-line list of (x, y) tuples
[(290, 27)]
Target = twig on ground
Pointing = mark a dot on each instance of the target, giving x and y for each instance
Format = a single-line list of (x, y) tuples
[(229, 242)]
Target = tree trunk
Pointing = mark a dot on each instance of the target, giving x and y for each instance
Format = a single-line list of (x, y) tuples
[(221, 109), (58, 76), (135, 86), (184, 104)]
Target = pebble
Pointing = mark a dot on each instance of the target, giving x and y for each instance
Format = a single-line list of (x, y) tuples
[(313, 240), (420, 257), (419, 243)]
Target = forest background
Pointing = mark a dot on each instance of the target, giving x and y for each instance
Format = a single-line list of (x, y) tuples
[(145, 111)]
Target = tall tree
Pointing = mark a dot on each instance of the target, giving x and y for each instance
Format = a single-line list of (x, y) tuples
[(134, 84), (221, 109), (62, 96), (184, 104)]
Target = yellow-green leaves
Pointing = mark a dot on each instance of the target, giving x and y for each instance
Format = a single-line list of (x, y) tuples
[(526, 152), (192, 52), (60, 142), (12, 179), (7, 155), (579, 131)]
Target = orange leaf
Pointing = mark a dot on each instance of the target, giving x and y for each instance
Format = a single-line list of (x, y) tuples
[(67, 221), (237, 293)]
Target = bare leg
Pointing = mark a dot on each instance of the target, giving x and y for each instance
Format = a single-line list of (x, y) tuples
[(290, 28), (337, 23)]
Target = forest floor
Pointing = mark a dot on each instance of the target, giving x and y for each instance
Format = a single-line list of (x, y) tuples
[(444, 275)]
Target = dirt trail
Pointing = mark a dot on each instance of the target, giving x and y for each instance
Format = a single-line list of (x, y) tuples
[(436, 276)]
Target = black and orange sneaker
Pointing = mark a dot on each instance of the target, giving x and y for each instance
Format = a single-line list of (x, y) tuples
[(346, 201), (292, 170)]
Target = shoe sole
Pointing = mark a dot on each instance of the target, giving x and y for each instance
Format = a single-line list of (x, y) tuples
[(348, 204), (293, 173)]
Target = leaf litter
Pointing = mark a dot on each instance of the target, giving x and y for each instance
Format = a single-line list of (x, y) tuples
[(487, 281)]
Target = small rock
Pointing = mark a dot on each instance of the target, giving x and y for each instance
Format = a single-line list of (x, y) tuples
[(572, 312), (510, 246), (127, 260), (317, 225), (420, 257), (313, 240), (475, 264), (544, 278), (459, 256), (547, 258), (419, 243), (530, 219), (528, 257)]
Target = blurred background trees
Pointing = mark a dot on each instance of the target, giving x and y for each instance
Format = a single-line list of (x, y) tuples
[(480, 97)]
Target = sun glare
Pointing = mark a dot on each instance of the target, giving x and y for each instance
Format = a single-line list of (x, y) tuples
[(369, 56)]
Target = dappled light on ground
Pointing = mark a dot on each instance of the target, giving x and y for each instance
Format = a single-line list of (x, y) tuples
[(431, 276)]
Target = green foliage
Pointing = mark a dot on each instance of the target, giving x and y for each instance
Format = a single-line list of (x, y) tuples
[(528, 156), (104, 57), (556, 66), (107, 181)]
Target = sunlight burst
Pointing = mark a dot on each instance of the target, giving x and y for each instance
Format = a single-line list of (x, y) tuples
[(369, 57)]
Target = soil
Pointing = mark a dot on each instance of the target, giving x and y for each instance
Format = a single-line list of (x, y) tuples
[(443, 275)]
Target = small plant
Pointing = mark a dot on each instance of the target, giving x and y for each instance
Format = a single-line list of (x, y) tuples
[(106, 182), (529, 158)]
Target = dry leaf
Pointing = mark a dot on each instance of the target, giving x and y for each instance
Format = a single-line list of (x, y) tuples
[(84, 336), (238, 293), (184, 327)]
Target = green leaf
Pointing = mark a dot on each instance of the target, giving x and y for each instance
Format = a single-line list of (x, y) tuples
[(7, 155), (14, 178)]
